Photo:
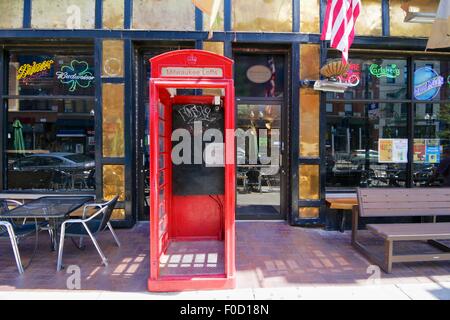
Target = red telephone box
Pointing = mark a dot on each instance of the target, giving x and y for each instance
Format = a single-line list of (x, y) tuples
[(192, 227)]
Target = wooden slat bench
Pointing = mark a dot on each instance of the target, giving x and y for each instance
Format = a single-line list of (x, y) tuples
[(389, 202)]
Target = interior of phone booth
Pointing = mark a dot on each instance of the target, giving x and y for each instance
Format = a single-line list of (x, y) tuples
[(192, 225)]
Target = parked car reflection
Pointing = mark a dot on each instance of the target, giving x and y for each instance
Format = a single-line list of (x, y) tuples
[(52, 171), (361, 169)]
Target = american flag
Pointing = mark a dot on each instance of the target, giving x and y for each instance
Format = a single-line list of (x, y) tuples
[(339, 24)]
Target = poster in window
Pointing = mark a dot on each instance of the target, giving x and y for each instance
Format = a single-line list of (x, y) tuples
[(393, 150), (427, 151)]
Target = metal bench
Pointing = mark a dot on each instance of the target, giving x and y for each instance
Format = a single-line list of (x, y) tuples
[(389, 202)]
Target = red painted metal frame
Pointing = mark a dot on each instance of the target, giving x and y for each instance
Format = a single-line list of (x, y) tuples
[(158, 94)]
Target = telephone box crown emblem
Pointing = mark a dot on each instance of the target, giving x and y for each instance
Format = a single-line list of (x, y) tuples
[(191, 59)]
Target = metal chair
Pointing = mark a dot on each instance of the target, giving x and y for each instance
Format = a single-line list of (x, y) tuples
[(254, 179), (89, 227), (15, 232)]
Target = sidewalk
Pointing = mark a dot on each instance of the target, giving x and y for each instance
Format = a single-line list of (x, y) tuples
[(425, 291), (273, 261)]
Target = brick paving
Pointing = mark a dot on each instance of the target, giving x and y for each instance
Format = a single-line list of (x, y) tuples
[(268, 255)]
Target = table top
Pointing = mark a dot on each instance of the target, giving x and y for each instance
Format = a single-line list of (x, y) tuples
[(48, 207), (341, 203)]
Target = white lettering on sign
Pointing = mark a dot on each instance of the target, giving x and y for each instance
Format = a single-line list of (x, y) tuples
[(191, 72)]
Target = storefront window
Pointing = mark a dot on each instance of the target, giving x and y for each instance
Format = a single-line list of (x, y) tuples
[(14, 16), (366, 145), (50, 141), (369, 21), (63, 14), (369, 141), (254, 75), (262, 15), (164, 15), (377, 78), (397, 13), (431, 145)]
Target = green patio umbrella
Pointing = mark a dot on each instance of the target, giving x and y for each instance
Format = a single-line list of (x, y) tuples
[(19, 145)]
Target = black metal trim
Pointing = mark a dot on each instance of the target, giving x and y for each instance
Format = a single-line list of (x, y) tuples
[(98, 14), (3, 121), (410, 124), (46, 97), (198, 19), (26, 14), (130, 196), (227, 9), (294, 133), (98, 119), (385, 18), (128, 14), (295, 16)]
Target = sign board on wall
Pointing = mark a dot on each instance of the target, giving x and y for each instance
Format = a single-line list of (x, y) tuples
[(392, 150)]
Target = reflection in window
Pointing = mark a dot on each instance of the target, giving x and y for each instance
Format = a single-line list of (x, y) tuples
[(50, 141), (366, 147), (431, 145)]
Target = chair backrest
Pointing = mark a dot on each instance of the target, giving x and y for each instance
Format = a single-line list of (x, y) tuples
[(108, 210), (403, 202), (253, 176)]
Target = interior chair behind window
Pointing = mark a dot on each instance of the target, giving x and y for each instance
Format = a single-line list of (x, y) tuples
[(89, 227)]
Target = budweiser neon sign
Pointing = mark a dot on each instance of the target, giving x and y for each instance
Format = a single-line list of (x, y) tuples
[(30, 70)]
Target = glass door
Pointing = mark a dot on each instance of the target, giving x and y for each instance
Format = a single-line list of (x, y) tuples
[(259, 160)]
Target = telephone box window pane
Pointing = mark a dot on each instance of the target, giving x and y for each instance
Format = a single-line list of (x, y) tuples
[(113, 182), (262, 15), (369, 21), (309, 16), (112, 58), (309, 182), (63, 14), (309, 123), (164, 15), (51, 74), (113, 120), (408, 29), (50, 145), (113, 14), (12, 16), (254, 72), (308, 213)]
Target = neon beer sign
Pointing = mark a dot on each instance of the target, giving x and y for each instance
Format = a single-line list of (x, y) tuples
[(390, 71), (352, 76), (76, 74), (427, 83), (30, 70)]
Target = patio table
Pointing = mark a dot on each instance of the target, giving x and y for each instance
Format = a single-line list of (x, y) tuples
[(55, 209)]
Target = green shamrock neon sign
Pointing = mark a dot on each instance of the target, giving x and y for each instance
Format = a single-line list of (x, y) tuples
[(76, 75)]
